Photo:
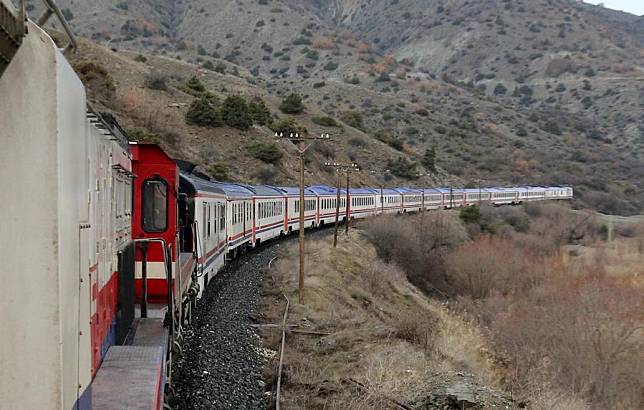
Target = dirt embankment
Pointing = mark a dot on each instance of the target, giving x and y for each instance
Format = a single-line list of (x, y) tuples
[(367, 338)]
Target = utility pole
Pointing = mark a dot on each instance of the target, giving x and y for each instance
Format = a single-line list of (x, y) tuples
[(340, 168), (348, 170), (301, 142)]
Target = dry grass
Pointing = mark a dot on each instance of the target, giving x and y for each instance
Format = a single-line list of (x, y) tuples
[(384, 332)]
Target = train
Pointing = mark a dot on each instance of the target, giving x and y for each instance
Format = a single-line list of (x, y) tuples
[(107, 245)]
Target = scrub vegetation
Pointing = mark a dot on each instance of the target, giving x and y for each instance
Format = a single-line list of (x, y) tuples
[(561, 308), (525, 307)]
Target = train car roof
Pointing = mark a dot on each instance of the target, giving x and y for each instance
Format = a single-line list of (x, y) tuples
[(362, 191), (230, 190), (264, 190), (295, 191), (389, 191), (325, 190), (406, 190), (432, 191)]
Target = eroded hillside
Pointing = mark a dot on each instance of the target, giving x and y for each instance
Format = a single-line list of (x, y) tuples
[(522, 92)]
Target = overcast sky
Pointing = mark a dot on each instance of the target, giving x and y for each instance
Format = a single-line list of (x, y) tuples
[(630, 6)]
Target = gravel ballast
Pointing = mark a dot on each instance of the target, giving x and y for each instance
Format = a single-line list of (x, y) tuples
[(221, 366)]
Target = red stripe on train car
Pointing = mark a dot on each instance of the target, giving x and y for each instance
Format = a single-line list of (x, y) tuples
[(103, 318)]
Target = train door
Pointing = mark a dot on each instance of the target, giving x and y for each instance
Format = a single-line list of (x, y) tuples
[(186, 222)]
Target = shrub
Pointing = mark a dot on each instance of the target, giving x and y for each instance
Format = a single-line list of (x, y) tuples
[(140, 135), (292, 104), (392, 141), (265, 174), (141, 58), (208, 65), (235, 113), (122, 5), (383, 77), (357, 142), (403, 168), (552, 127), (588, 328), (353, 119), (219, 171), (287, 126), (203, 114), (325, 121), (195, 85), (500, 90), (418, 244), (267, 152), (331, 66), (157, 81), (488, 264), (220, 68), (95, 76), (259, 112), (67, 13), (470, 214)]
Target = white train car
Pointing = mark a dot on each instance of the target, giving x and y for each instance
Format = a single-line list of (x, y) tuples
[(452, 197), (292, 195), (327, 198), (433, 198), (412, 199), (362, 202), (477, 196), (270, 205), (390, 201), (559, 192), (66, 231), (206, 204)]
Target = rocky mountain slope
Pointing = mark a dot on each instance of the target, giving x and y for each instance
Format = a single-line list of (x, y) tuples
[(540, 92)]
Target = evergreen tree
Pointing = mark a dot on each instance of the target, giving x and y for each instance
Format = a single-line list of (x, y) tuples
[(202, 113), (429, 159), (235, 113), (292, 104), (259, 112)]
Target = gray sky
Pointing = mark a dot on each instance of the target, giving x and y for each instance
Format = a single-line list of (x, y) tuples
[(630, 6)]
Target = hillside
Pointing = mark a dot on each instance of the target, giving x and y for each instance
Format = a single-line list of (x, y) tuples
[(538, 92)]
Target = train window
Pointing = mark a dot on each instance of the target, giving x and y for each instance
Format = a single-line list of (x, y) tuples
[(155, 205)]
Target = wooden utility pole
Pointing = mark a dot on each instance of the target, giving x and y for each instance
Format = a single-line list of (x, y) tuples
[(301, 142), (337, 211), (347, 209), (340, 168)]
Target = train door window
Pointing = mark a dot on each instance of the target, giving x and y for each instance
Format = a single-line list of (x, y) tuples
[(155, 205), (215, 218), (203, 221), (222, 215)]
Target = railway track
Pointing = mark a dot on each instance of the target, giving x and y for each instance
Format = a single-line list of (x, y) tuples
[(222, 364)]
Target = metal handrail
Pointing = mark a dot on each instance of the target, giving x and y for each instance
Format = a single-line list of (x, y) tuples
[(52, 8), (165, 265)]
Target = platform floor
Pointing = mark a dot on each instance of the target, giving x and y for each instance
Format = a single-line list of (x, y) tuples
[(132, 377)]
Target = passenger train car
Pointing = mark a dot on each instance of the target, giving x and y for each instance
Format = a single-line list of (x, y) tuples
[(106, 246)]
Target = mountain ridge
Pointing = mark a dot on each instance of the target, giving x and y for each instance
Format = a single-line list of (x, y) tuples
[(545, 91)]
